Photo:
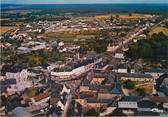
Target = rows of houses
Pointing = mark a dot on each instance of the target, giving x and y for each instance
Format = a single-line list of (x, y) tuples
[(105, 89)]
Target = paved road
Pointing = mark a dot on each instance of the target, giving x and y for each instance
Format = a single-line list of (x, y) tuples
[(68, 102), (128, 40)]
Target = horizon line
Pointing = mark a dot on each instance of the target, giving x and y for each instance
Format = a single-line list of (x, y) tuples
[(82, 3)]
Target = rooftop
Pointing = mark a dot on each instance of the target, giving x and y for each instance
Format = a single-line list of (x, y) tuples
[(93, 100), (41, 96), (146, 104), (157, 70), (134, 75), (131, 98), (159, 99)]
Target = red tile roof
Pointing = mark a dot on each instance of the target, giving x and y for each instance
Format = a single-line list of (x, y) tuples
[(41, 96), (159, 99)]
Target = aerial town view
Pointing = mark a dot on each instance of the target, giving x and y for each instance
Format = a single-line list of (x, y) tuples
[(84, 58)]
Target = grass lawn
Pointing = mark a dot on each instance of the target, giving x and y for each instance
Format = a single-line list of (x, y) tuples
[(148, 88)]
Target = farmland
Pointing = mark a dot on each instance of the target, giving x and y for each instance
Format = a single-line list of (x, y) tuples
[(159, 29), (4, 29), (122, 16)]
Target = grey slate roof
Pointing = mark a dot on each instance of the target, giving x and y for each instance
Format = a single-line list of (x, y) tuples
[(117, 88), (146, 104), (131, 98), (133, 75)]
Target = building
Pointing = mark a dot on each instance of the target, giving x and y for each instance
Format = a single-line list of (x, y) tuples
[(21, 112), (135, 77), (41, 98), (119, 55), (76, 72), (129, 104), (156, 73), (93, 103), (21, 80), (23, 50), (110, 48), (160, 100), (18, 76)]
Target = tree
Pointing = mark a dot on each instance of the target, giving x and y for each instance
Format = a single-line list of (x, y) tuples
[(117, 112), (111, 18), (117, 16), (91, 112), (4, 100), (140, 91), (129, 84), (145, 50), (130, 14), (32, 92)]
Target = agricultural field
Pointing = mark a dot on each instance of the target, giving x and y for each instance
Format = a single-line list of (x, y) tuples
[(4, 29), (122, 16), (159, 29)]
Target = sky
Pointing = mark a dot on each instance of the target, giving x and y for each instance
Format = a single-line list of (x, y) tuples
[(79, 1)]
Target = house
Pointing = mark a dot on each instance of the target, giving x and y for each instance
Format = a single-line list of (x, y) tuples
[(23, 50), (95, 88), (2, 111), (97, 103), (124, 68), (33, 108), (105, 95), (101, 91), (156, 73), (61, 44), (38, 47), (110, 48), (164, 86), (9, 85), (119, 55), (93, 103), (56, 89), (160, 100), (97, 80), (40, 98), (65, 90), (135, 77), (21, 80), (21, 112), (146, 113), (146, 105), (18, 76), (129, 104), (52, 66), (75, 72), (117, 89), (161, 83), (54, 99), (61, 104)]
